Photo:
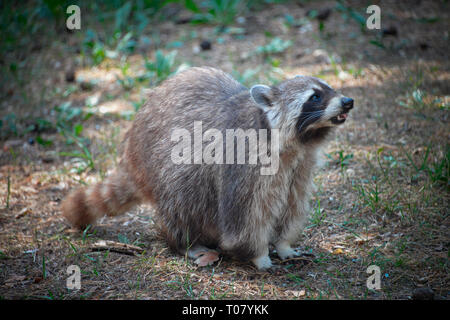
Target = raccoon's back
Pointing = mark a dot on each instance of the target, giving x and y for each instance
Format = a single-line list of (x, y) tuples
[(194, 95)]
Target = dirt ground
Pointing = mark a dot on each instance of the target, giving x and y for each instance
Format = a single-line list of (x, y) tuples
[(383, 187)]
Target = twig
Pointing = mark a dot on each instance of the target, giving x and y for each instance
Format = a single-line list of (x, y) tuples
[(118, 247), (9, 192)]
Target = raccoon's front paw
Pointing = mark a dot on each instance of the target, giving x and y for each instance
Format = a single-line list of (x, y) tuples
[(288, 253), (263, 262), (285, 251)]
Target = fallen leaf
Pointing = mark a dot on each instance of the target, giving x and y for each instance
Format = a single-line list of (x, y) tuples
[(297, 293), (37, 279), (22, 213)]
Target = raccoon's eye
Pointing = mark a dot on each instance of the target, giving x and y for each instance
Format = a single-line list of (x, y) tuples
[(315, 98)]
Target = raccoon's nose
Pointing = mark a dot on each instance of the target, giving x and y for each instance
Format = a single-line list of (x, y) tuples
[(347, 103)]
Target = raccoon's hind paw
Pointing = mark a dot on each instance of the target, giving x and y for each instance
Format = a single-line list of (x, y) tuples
[(203, 256), (207, 258)]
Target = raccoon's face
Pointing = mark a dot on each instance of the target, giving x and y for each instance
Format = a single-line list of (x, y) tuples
[(302, 105)]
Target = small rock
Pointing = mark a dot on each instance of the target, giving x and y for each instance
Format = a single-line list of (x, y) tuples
[(183, 19), (47, 159), (205, 45), (320, 15), (195, 49), (321, 56), (389, 31), (350, 172), (36, 47), (331, 269), (422, 280), (423, 46), (323, 14), (70, 75), (86, 85), (423, 294), (241, 20), (244, 55)]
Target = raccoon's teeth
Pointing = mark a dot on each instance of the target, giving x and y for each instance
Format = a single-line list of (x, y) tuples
[(342, 116)]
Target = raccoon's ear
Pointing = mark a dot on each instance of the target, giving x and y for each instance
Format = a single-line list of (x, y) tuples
[(262, 95)]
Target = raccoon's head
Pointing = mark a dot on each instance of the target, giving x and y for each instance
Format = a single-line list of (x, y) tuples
[(302, 108)]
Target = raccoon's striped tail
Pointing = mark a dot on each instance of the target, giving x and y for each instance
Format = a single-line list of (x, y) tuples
[(114, 196)]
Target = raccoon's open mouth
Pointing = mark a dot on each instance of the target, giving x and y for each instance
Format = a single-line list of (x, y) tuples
[(340, 118)]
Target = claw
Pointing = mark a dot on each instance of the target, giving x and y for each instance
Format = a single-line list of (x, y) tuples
[(206, 258)]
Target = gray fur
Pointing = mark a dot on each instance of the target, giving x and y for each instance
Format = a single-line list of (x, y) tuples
[(230, 207)]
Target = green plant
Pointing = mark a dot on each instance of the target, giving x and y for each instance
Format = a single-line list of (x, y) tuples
[(420, 100), (44, 270), (334, 65), (127, 82), (248, 77), (123, 239), (121, 16), (184, 284), (370, 194), (437, 169), (161, 68), (277, 45), (222, 12), (83, 153), (291, 22), (134, 15), (343, 159), (138, 104), (126, 44), (72, 132), (72, 246), (318, 215), (376, 257), (8, 125), (262, 289), (295, 278), (86, 234), (348, 12)]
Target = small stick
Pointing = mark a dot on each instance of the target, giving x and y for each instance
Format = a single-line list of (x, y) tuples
[(9, 192), (118, 247)]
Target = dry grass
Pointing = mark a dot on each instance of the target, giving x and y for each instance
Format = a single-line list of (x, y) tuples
[(382, 190)]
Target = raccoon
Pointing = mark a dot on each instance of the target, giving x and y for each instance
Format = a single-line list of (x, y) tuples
[(206, 209)]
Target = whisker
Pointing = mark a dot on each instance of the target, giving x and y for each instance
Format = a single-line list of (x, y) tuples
[(307, 119), (310, 112)]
